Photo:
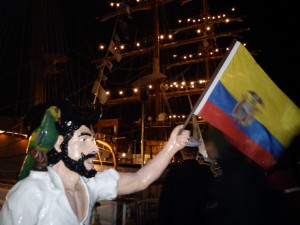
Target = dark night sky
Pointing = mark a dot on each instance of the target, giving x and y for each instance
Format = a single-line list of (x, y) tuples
[(273, 27), (273, 32)]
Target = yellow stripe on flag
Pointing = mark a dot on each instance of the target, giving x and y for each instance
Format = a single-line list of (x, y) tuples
[(278, 113)]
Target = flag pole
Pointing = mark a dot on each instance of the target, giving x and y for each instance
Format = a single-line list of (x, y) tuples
[(208, 85)]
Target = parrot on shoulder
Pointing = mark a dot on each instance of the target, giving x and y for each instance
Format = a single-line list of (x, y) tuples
[(40, 142)]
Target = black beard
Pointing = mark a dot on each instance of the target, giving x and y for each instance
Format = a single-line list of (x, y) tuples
[(74, 165), (78, 165)]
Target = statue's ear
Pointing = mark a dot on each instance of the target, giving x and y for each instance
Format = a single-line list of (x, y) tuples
[(59, 140)]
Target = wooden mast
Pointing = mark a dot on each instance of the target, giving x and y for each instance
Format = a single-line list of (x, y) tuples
[(36, 79), (206, 44), (156, 59)]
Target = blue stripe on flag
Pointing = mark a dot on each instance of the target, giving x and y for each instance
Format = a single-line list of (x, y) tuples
[(222, 98)]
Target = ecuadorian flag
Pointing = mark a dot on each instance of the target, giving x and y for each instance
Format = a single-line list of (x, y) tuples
[(246, 105)]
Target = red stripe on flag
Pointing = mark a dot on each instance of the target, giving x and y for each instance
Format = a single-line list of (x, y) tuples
[(219, 119)]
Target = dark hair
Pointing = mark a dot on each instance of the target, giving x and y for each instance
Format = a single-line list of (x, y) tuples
[(72, 117), (190, 151), (226, 151)]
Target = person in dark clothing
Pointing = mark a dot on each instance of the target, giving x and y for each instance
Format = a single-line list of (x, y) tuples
[(284, 180), (243, 194), (185, 196)]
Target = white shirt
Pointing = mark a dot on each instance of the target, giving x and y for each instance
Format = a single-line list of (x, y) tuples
[(40, 199)]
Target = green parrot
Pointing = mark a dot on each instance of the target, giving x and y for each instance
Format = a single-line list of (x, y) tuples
[(40, 142)]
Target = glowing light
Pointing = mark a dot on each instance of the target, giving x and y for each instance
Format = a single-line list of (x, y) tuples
[(101, 47)]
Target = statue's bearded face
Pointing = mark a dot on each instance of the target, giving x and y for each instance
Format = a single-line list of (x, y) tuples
[(81, 152)]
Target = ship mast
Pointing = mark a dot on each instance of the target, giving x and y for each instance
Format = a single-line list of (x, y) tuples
[(36, 81), (205, 13), (156, 76), (47, 46), (206, 44), (156, 61)]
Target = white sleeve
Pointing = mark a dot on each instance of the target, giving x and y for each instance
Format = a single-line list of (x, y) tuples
[(104, 186), (21, 205), (6, 218)]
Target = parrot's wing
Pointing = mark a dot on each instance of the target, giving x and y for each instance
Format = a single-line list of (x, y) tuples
[(41, 141), (28, 163)]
